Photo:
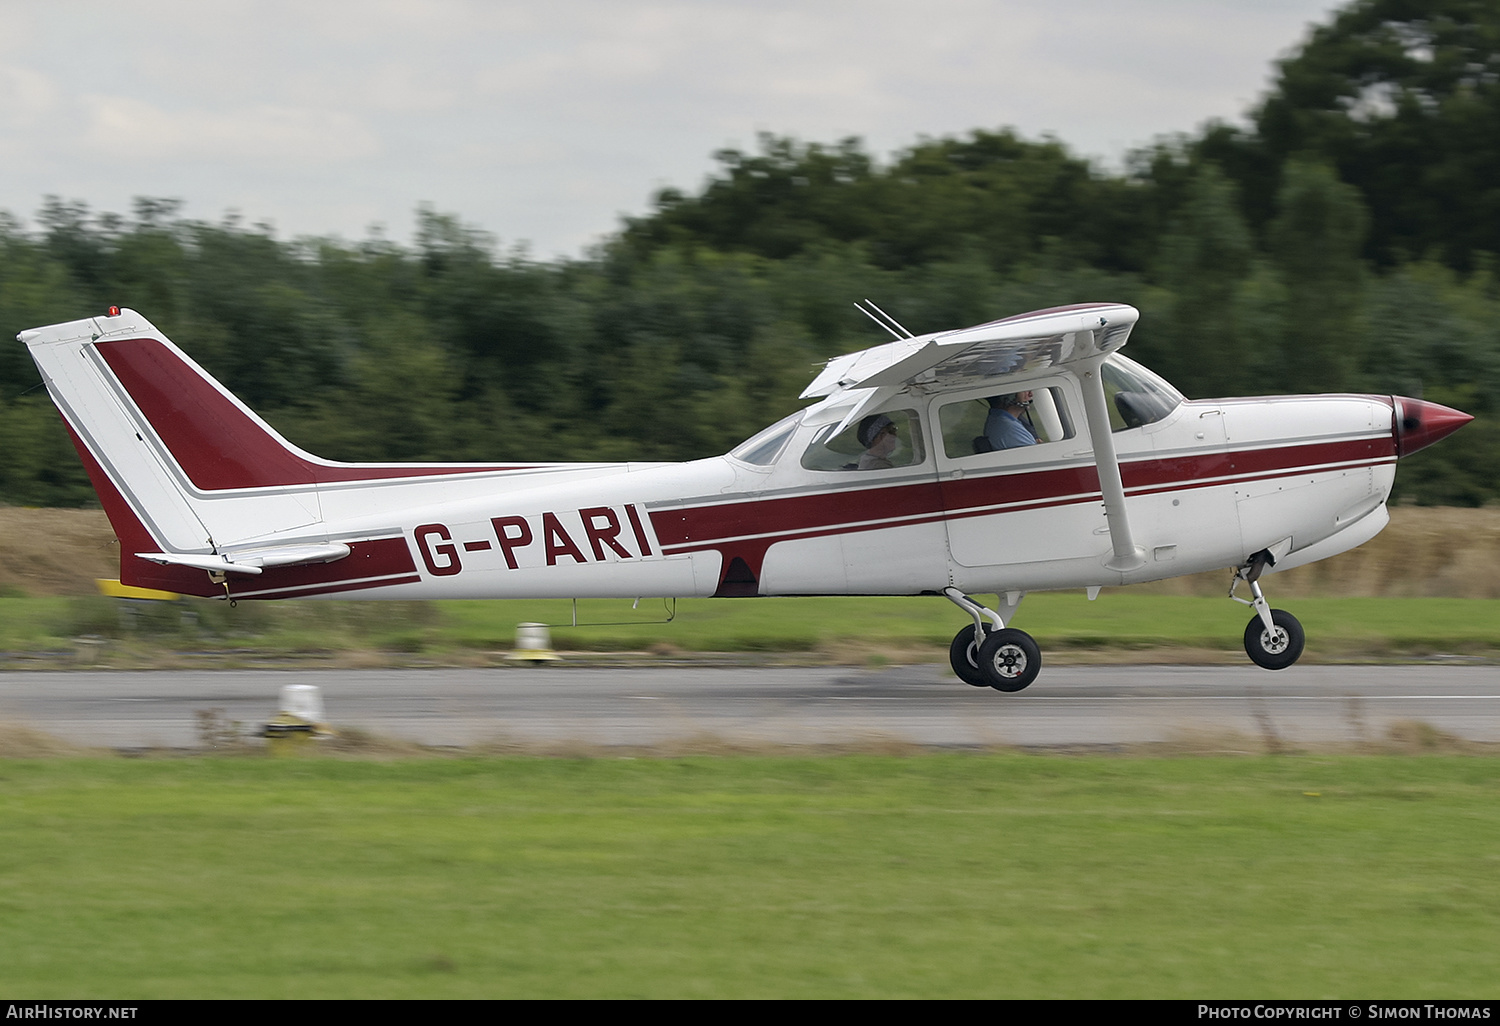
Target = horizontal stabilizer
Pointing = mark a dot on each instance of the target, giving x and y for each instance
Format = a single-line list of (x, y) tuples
[(251, 561), (213, 564)]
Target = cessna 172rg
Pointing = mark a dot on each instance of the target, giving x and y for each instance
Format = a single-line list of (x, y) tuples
[(1013, 456)]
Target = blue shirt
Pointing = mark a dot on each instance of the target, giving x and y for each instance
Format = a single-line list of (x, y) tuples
[(1005, 430)]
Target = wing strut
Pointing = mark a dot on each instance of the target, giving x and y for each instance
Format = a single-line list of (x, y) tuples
[(1128, 555)]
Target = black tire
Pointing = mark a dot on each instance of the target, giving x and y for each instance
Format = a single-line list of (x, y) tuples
[(1010, 659), (963, 654), (1279, 652)]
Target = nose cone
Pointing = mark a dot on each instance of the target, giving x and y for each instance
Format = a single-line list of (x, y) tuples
[(1419, 424)]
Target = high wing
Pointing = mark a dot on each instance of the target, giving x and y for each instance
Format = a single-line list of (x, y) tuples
[(1033, 341), (1013, 346)]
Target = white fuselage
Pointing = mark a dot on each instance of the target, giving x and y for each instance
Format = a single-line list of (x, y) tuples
[(1206, 486)]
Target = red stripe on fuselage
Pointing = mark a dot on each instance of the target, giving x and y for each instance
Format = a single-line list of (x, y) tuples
[(384, 558), (741, 528), (1186, 469), (215, 442), (329, 589)]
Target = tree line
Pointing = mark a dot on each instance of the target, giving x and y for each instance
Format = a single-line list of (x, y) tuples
[(1344, 239)]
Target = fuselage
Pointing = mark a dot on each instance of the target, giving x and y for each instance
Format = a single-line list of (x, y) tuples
[(1207, 484)]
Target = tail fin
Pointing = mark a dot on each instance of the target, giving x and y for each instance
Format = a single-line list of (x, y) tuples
[(161, 440), (181, 466)]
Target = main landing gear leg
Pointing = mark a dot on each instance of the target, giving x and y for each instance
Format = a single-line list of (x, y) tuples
[(1273, 638), (993, 656)]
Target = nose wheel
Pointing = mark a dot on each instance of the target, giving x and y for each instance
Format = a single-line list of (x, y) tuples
[(1278, 647), (1273, 638)]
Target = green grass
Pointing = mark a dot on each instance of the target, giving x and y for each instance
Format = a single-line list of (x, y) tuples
[(924, 876), (1119, 621)]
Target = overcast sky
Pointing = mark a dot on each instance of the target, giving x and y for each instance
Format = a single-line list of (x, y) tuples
[(546, 122)]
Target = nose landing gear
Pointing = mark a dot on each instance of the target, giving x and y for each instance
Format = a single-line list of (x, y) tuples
[(1273, 638), (993, 655)]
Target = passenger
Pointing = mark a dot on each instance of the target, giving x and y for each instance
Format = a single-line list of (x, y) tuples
[(1004, 427), (877, 433)]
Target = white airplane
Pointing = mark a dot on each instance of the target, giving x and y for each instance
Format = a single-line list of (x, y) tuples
[(1020, 455)]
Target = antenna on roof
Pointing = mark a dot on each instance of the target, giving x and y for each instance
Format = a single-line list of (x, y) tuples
[(883, 319)]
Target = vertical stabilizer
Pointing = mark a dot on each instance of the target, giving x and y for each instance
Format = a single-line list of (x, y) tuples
[(110, 431), (175, 459)]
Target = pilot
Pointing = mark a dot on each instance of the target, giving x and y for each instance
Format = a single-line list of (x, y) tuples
[(877, 433), (1004, 426)]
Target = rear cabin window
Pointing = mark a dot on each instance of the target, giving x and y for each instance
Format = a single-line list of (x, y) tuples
[(1007, 420), (762, 448), (880, 441)]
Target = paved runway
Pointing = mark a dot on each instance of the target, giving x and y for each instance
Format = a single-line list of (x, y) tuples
[(925, 705)]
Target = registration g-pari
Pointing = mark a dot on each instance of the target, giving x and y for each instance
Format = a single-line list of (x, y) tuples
[(1020, 455)]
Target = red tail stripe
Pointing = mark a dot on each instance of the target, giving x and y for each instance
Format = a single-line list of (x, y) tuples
[(215, 442)]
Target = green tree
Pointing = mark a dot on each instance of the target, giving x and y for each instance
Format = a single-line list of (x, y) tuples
[(992, 192), (38, 464), (1204, 260), (1402, 98), (1315, 244)]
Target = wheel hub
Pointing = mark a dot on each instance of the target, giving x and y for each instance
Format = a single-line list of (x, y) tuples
[(1010, 661), (1275, 643)]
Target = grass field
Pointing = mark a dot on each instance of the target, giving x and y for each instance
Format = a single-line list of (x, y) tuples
[(1122, 624), (916, 875), (922, 876)]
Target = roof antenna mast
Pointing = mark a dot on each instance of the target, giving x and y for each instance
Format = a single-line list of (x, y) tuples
[(883, 319)]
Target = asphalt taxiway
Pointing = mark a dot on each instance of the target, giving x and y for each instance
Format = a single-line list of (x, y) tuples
[(922, 705)]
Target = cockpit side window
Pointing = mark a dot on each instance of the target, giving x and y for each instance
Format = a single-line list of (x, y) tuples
[(1135, 396), (879, 441), (1008, 420)]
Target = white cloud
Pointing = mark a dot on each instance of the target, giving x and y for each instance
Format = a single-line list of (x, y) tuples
[(123, 127)]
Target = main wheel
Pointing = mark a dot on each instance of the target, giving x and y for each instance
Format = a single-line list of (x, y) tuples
[(963, 654), (1278, 650), (1010, 659)]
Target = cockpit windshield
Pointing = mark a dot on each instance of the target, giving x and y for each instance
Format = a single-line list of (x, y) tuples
[(1136, 396), (762, 448)]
